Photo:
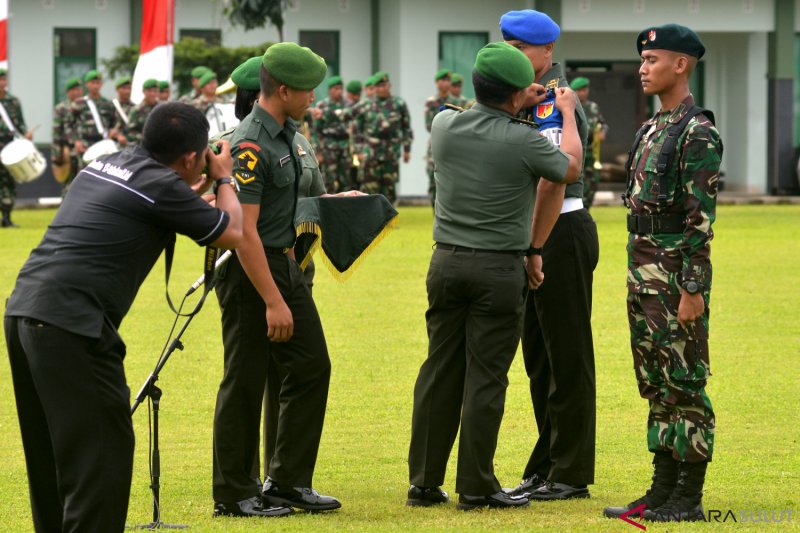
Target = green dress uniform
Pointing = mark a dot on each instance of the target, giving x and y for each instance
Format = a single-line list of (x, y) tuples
[(8, 187), (671, 362), (268, 166), (487, 167), (432, 106)]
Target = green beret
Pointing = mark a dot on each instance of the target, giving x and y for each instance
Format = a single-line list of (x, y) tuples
[(3, 72), (380, 77), (91, 75), (72, 83), (334, 80), (248, 74), (150, 83), (442, 73), (354, 86), (673, 37), (579, 83), (163, 85), (456, 78), (294, 65), (503, 63), (197, 72), (122, 81), (369, 82), (205, 78)]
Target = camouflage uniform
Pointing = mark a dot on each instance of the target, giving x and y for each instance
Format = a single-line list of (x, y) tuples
[(8, 188), (83, 127), (331, 132), (138, 117), (62, 117), (383, 128), (432, 106), (671, 363), (590, 177), (119, 122)]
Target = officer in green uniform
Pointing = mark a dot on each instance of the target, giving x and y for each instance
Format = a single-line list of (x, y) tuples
[(61, 151), (673, 172), (487, 167), (8, 128), (333, 137), (142, 110), (432, 105), (597, 129), (267, 309), (93, 115)]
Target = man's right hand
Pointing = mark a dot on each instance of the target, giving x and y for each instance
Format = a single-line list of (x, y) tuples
[(566, 100), (280, 324), (535, 94), (220, 165)]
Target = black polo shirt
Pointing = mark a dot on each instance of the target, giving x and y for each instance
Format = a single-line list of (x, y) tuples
[(120, 213)]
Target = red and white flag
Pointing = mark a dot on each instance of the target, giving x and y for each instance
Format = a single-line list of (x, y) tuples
[(4, 34), (155, 46)]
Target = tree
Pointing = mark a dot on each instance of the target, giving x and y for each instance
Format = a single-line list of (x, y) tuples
[(252, 14)]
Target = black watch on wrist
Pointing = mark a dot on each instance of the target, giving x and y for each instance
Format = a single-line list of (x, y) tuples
[(533, 250), (228, 180), (691, 286)]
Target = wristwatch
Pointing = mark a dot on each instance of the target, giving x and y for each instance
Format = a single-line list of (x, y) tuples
[(222, 181), (692, 287), (533, 250)]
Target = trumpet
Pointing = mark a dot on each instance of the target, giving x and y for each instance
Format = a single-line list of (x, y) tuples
[(598, 128)]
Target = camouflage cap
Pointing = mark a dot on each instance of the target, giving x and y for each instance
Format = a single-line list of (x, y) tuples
[(504, 63), (442, 73), (579, 83), (294, 65), (334, 80), (354, 86), (72, 83), (207, 77), (124, 80), (92, 75), (248, 75), (380, 77), (673, 37), (456, 78), (163, 85), (198, 71), (150, 83)]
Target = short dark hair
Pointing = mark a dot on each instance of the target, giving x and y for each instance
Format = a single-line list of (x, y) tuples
[(269, 84), (174, 129), (490, 92), (245, 98)]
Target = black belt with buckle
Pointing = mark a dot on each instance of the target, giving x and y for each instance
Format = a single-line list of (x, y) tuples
[(275, 251), (454, 248), (651, 224)]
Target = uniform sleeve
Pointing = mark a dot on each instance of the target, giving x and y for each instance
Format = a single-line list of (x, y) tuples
[(249, 170), (75, 128), (317, 187), (430, 112), (23, 129), (408, 134), (700, 160), (180, 209), (545, 159)]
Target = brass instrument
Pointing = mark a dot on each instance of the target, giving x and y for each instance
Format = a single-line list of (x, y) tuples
[(598, 128), (356, 161)]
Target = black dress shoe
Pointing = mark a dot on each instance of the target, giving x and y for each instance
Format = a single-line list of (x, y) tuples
[(300, 497), (559, 491), (249, 507), (527, 486), (425, 496), (498, 500)]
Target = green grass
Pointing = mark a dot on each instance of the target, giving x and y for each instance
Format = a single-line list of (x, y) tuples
[(376, 335)]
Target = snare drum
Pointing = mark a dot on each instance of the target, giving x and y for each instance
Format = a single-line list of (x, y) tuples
[(24, 162), (104, 147)]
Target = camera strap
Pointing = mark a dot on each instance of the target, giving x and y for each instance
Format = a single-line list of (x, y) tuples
[(209, 262)]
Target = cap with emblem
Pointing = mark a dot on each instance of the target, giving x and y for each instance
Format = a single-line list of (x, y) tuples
[(163, 85), (124, 80), (442, 73), (248, 75), (380, 77), (150, 83), (579, 83), (456, 78), (504, 63), (205, 78), (294, 65), (334, 80), (354, 86), (673, 37), (91, 75), (198, 71), (530, 26), (72, 83)]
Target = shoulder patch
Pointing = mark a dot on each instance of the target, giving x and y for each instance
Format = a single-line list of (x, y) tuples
[(254, 146), (451, 106), (246, 160)]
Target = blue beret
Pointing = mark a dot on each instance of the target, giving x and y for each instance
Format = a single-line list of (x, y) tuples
[(529, 26)]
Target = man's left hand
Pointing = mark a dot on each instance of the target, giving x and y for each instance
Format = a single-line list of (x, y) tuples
[(533, 267), (690, 308)]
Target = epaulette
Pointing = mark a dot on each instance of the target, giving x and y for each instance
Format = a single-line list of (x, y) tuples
[(252, 130), (451, 106), (525, 122)]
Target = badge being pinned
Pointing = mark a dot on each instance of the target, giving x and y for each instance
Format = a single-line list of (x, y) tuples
[(544, 110)]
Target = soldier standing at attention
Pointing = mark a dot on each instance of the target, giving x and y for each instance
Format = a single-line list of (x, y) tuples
[(11, 123), (369, 88), (333, 138), (142, 110), (487, 166), (557, 332), (207, 87), (673, 172), (197, 73), (92, 115), (432, 105), (456, 86), (597, 129), (123, 106), (384, 127), (353, 92), (164, 91), (62, 145)]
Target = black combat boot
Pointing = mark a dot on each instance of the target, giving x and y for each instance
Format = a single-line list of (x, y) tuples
[(7, 218), (685, 504), (665, 475)]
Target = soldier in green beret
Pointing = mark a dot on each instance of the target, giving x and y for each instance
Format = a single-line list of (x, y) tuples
[(197, 73), (487, 167), (123, 106), (142, 110), (164, 90), (456, 86), (207, 87), (93, 116), (597, 129), (673, 173), (333, 138), (62, 155), (432, 105), (267, 309), (383, 136), (8, 128), (353, 92)]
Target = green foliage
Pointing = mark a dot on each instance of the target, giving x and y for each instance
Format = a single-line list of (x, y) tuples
[(122, 62), (253, 14)]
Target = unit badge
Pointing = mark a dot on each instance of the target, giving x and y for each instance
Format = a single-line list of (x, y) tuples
[(544, 110)]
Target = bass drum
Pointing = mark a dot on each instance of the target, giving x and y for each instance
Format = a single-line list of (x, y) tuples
[(104, 147), (221, 117), (24, 162)]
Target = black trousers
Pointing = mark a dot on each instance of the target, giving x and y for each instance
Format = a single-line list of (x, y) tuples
[(74, 413), (475, 304), (559, 354), (303, 392)]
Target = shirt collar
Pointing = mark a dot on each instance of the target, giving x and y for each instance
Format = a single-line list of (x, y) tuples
[(675, 115), (271, 125)]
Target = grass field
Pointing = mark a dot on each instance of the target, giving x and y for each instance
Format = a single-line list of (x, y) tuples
[(376, 336)]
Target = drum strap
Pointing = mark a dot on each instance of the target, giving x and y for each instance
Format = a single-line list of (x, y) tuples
[(7, 119), (121, 111), (101, 129)]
